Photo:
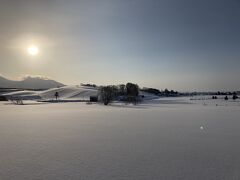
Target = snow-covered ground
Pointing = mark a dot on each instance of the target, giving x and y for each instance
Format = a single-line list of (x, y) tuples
[(167, 138)]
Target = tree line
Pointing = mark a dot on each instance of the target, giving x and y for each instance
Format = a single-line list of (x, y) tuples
[(128, 93)]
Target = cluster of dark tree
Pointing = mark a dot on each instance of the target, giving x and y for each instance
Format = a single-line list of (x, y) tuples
[(212, 93), (227, 93), (152, 91), (157, 92), (214, 97), (166, 92), (89, 85), (128, 93), (234, 97)]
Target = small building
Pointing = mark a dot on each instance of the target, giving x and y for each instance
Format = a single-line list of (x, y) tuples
[(93, 98), (3, 98)]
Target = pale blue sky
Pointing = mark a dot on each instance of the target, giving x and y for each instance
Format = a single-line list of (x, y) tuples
[(182, 45)]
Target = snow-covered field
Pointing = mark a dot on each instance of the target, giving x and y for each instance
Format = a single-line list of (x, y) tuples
[(164, 139)]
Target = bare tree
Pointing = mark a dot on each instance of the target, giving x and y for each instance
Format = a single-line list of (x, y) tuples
[(132, 92), (107, 94)]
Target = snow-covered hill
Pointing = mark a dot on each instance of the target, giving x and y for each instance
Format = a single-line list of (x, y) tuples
[(65, 92)]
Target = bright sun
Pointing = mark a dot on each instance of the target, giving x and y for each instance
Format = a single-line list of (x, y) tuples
[(33, 50)]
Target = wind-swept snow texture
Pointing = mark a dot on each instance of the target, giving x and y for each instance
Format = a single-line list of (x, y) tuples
[(65, 92), (168, 139)]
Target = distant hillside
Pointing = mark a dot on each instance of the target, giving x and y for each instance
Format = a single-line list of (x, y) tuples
[(29, 83)]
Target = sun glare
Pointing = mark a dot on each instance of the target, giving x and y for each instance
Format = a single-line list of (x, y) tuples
[(33, 50)]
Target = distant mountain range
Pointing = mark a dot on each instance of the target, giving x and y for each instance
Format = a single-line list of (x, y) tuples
[(30, 83)]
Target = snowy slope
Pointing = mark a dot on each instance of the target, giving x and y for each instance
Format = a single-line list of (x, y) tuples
[(66, 92), (70, 92)]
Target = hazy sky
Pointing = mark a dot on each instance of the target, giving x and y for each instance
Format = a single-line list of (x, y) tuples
[(178, 44)]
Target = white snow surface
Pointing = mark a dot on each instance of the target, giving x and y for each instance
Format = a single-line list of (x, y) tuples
[(167, 138)]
